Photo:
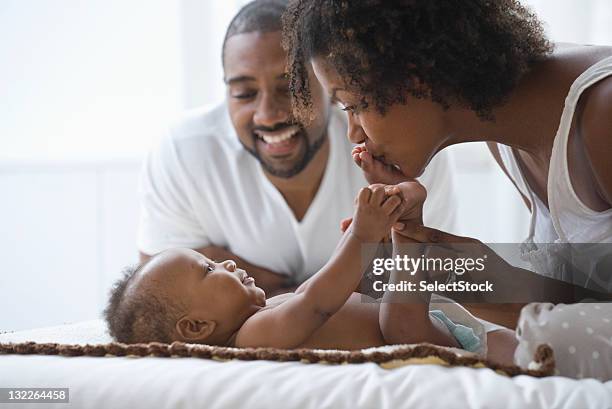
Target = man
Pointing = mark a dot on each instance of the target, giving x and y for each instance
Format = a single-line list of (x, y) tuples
[(245, 182)]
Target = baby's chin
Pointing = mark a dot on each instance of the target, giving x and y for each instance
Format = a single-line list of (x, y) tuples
[(261, 298)]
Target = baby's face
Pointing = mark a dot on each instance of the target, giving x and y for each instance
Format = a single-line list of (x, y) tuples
[(211, 291)]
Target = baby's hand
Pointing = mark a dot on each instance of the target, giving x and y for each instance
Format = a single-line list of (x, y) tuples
[(375, 213)]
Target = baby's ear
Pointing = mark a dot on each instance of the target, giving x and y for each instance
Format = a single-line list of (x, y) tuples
[(193, 330)]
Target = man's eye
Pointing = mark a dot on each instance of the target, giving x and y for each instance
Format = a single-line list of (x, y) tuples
[(244, 95), (348, 108), (210, 268)]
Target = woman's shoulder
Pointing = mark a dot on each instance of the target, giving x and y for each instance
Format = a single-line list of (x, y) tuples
[(551, 78), (594, 110), (554, 77), (596, 132), (573, 59)]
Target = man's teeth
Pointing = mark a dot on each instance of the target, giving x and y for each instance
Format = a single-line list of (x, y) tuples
[(277, 138)]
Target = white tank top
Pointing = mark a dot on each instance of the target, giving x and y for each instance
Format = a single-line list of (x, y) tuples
[(567, 219)]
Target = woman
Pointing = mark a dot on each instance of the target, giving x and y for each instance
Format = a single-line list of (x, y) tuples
[(418, 76)]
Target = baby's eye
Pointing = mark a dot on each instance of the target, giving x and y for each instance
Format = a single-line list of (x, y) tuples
[(210, 268)]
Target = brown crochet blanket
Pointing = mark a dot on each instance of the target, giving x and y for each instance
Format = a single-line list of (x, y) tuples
[(543, 365)]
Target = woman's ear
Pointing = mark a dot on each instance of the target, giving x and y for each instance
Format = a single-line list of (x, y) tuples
[(191, 329)]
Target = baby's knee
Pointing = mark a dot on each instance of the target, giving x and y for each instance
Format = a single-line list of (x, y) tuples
[(579, 334), (399, 323)]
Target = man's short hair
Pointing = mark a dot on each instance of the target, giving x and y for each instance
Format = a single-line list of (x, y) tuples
[(141, 317), (262, 16)]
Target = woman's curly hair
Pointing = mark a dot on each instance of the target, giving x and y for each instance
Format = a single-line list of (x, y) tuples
[(466, 52)]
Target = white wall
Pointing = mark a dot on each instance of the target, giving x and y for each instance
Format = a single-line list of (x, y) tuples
[(96, 78), (87, 88), (67, 230)]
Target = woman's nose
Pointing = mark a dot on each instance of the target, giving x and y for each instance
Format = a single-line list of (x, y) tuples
[(229, 265), (354, 131)]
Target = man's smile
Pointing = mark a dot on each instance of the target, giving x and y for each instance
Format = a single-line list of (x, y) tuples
[(279, 143)]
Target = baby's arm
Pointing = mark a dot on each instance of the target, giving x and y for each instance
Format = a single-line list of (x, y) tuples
[(293, 322)]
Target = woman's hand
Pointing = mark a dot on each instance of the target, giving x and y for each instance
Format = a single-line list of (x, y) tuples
[(484, 264)]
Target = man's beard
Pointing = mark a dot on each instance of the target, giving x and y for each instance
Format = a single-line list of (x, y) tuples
[(311, 150)]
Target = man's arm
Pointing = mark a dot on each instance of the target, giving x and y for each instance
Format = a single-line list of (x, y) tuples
[(271, 282)]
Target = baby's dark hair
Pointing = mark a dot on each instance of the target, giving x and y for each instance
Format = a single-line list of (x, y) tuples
[(470, 53), (262, 16), (141, 317)]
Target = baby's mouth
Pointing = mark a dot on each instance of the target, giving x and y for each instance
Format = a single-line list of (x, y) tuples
[(246, 279)]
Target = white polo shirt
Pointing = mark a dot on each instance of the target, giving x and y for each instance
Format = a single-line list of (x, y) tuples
[(200, 187)]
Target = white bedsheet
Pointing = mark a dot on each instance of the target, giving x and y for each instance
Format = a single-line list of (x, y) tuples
[(196, 383)]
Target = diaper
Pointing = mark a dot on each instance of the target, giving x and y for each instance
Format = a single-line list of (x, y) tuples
[(469, 331), (465, 336)]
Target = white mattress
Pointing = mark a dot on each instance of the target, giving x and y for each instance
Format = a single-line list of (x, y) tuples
[(195, 383)]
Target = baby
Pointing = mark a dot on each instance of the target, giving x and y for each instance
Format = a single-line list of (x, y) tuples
[(181, 295)]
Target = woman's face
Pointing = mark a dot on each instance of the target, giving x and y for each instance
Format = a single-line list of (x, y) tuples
[(407, 136)]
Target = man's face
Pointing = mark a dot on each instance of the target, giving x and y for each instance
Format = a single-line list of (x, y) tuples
[(260, 106)]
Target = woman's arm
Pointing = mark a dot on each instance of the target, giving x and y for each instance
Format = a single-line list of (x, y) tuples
[(513, 286)]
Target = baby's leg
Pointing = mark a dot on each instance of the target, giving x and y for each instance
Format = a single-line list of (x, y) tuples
[(404, 316), (410, 323), (501, 344)]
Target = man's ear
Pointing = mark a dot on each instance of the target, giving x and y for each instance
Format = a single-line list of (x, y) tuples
[(191, 329)]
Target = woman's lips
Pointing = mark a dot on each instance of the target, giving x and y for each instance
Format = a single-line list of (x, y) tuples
[(382, 159)]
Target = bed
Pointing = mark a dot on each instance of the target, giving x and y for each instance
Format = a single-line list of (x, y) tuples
[(156, 382)]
